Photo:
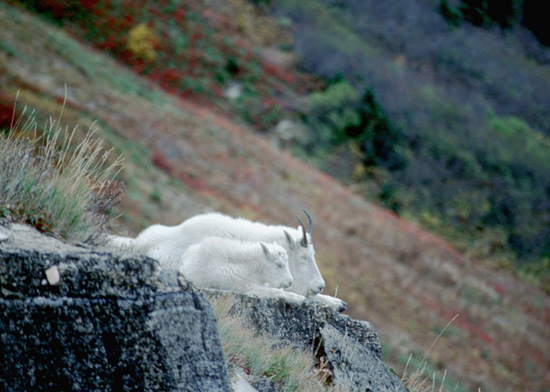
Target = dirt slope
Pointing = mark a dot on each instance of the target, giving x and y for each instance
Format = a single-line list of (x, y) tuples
[(182, 159)]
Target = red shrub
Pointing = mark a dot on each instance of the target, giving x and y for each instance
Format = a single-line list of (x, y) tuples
[(160, 161), (6, 115)]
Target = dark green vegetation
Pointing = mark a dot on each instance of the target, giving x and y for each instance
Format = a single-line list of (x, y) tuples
[(532, 14), (340, 114), (451, 122)]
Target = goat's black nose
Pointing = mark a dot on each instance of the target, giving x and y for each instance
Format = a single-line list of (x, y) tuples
[(321, 287)]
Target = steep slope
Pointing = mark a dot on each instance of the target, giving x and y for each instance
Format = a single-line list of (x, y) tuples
[(183, 159), (470, 107), (446, 120)]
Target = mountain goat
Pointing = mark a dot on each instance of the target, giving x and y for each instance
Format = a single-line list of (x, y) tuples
[(239, 266), (167, 244)]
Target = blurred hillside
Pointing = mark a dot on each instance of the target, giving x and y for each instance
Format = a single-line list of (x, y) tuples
[(436, 109), (160, 80), (463, 103)]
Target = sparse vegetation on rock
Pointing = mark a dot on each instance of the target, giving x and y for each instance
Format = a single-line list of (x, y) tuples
[(55, 183)]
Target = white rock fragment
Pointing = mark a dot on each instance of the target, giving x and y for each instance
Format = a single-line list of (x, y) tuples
[(234, 90), (52, 274)]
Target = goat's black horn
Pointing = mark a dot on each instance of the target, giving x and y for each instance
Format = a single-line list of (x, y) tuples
[(310, 230), (303, 242)]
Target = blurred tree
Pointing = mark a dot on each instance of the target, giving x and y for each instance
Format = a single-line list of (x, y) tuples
[(453, 17), (474, 11), (536, 17), (378, 139), (505, 13), (340, 114)]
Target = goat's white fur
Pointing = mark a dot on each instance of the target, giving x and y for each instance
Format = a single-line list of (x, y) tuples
[(252, 268), (168, 243), (120, 242)]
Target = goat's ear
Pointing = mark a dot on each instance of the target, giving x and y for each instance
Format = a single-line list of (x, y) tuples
[(265, 249), (289, 240)]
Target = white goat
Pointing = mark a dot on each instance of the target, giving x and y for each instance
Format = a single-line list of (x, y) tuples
[(252, 268), (167, 244)]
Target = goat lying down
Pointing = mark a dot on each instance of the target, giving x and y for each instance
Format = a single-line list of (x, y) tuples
[(252, 268), (168, 243)]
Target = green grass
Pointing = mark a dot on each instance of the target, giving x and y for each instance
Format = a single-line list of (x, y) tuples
[(291, 369), (55, 184)]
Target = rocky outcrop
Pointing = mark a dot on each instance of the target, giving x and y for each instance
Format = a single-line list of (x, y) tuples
[(79, 319), (82, 319), (349, 348)]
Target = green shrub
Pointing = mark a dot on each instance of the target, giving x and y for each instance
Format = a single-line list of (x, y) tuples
[(538, 273), (331, 112), (341, 114), (505, 13), (451, 16)]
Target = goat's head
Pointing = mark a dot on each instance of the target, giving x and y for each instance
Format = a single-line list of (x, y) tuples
[(275, 269), (307, 278)]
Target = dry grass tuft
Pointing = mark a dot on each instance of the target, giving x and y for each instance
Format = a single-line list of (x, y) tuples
[(418, 381), (49, 183)]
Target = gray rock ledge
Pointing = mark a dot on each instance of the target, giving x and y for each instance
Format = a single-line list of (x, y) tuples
[(75, 319), (350, 348)]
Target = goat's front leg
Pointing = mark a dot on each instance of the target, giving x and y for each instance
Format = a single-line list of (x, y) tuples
[(271, 292), (333, 302)]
